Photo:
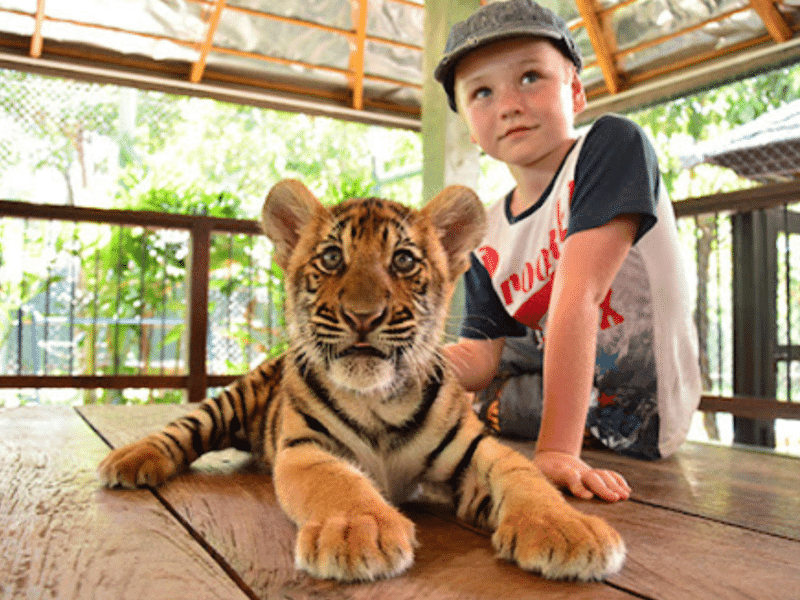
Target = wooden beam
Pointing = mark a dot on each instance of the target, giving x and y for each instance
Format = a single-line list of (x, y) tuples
[(37, 41), (357, 53), (741, 201), (93, 382), (213, 22), (773, 20), (751, 407), (600, 38)]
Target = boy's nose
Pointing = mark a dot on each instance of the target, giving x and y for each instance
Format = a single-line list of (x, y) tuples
[(510, 102)]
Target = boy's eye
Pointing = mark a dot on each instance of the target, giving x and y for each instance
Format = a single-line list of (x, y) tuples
[(529, 77), (483, 92)]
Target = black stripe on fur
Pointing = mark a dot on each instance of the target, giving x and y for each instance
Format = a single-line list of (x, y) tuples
[(314, 424), (461, 467), (413, 424), (451, 435), (322, 395)]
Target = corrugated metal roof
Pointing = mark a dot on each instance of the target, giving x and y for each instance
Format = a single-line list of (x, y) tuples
[(363, 58)]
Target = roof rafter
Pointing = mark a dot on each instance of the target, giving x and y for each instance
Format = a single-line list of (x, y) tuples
[(599, 37), (37, 41), (773, 20), (357, 53), (213, 22)]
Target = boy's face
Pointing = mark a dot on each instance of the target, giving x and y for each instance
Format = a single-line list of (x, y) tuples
[(519, 98)]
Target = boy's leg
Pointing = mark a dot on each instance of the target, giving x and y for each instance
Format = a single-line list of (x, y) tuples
[(511, 405)]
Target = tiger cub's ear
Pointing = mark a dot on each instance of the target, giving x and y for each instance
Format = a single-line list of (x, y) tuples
[(460, 218), (289, 206)]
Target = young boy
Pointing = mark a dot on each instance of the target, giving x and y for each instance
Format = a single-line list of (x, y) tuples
[(581, 257)]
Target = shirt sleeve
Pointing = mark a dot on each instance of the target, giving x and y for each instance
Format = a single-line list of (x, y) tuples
[(484, 315), (616, 173)]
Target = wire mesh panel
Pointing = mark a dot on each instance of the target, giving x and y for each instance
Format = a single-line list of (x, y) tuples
[(707, 242), (245, 304), (91, 299), (788, 309)]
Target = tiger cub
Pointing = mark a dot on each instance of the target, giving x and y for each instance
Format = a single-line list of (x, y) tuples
[(362, 408)]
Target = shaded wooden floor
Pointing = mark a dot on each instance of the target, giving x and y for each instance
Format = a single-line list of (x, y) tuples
[(711, 522)]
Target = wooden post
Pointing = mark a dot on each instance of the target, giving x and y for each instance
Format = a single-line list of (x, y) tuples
[(449, 157), (198, 309), (448, 154), (754, 319)]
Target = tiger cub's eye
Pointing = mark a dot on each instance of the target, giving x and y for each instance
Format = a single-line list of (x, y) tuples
[(332, 258), (403, 261)]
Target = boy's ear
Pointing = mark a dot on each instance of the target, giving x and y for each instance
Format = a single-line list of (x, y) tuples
[(578, 93)]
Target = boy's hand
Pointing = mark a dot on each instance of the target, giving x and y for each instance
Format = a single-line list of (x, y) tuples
[(580, 479)]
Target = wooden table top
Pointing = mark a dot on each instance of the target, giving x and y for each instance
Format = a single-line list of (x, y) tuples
[(710, 522)]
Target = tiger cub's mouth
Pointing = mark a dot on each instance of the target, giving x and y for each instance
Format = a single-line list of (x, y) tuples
[(362, 349)]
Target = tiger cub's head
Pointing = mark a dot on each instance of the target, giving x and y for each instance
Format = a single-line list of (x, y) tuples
[(368, 282)]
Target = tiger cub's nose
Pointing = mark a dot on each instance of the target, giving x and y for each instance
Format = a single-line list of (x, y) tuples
[(362, 322)]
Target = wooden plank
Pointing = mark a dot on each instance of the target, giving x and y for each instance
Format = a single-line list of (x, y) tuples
[(674, 556), (750, 489), (454, 562), (62, 536)]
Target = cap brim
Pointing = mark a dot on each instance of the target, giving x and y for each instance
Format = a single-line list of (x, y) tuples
[(449, 61)]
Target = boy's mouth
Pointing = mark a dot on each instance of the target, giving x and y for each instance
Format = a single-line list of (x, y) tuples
[(514, 131)]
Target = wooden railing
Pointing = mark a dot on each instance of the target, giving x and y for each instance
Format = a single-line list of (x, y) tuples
[(744, 403), (200, 228)]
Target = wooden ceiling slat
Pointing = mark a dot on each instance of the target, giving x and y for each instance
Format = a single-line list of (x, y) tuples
[(313, 25), (37, 41), (357, 53), (773, 20), (677, 34), (151, 36), (278, 60), (213, 22), (599, 38), (697, 59)]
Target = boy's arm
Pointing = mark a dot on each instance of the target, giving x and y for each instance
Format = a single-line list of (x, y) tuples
[(475, 362), (588, 265)]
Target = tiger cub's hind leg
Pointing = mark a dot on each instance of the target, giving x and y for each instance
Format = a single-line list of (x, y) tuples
[(533, 524)]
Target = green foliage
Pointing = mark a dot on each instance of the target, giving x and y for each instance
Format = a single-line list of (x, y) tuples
[(678, 125)]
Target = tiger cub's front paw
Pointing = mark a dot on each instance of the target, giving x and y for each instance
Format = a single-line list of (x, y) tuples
[(361, 547), (560, 544), (136, 465)]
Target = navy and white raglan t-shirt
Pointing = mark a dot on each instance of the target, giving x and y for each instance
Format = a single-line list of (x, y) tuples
[(647, 374)]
